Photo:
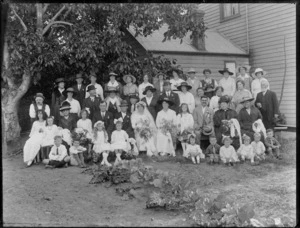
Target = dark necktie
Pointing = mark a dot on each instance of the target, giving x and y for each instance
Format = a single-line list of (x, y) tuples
[(57, 151)]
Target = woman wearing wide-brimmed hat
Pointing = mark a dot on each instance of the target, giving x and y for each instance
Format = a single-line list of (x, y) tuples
[(165, 139), (209, 84), (186, 97), (258, 74), (243, 74), (239, 94), (143, 85), (227, 82), (193, 81), (113, 84), (58, 96), (75, 106), (98, 87), (130, 86)]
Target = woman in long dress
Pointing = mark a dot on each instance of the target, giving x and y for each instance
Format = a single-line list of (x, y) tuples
[(142, 124), (164, 138), (33, 144)]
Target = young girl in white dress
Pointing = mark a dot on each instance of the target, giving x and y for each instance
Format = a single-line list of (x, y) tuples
[(185, 122), (76, 152), (86, 124), (258, 148), (194, 151), (50, 131), (101, 145), (227, 152), (246, 150), (119, 140), (33, 144)]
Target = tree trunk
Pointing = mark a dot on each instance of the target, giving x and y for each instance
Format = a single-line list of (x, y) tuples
[(4, 144)]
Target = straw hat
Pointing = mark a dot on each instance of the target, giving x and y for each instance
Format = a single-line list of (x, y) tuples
[(191, 70), (244, 99), (39, 95), (129, 75)]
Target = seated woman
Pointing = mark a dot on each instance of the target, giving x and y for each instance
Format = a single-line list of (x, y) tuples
[(33, 144), (50, 131)]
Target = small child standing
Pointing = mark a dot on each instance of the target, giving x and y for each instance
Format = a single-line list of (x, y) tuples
[(58, 156), (101, 146), (227, 152), (258, 147), (246, 150), (119, 140), (213, 150), (76, 152), (193, 150), (272, 144)]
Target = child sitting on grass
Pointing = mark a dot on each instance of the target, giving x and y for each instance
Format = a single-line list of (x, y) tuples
[(119, 140), (193, 150), (213, 150), (258, 148), (101, 146), (272, 144), (227, 152), (76, 152), (246, 150), (58, 156)]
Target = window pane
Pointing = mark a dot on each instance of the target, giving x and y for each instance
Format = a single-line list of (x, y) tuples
[(235, 8), (227, 10)]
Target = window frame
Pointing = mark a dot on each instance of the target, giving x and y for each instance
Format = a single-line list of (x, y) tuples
[(224, 19), (234, 72)]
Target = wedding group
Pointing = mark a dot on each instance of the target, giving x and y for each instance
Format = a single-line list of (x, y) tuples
[(217, 121)]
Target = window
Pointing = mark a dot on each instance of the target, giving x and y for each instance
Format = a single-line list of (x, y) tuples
[(229, 11), (231, 67)]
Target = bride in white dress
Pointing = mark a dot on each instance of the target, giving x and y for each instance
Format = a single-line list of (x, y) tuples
[(143, 122)]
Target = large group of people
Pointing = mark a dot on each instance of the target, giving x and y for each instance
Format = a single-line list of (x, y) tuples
[(227, 121)]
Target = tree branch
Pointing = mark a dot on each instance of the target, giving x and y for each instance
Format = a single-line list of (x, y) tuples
[(21, 21), (45, 7), (53, 19), (55, 22), (23, 87), (66, 14)]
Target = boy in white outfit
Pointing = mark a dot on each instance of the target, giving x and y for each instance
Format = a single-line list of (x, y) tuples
[(258, 148), (246, 150), (227, 152)]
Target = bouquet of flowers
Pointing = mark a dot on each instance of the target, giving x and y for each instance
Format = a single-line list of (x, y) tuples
[(184, 136), (168, 127), (81, 134), (144, 130)]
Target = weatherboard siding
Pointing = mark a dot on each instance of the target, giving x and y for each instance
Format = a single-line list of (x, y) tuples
[(268, 25)]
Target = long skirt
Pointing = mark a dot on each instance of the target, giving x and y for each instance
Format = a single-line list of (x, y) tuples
[(120, 146), (32, 147), (99, 148), (144, 145), (165, 143)]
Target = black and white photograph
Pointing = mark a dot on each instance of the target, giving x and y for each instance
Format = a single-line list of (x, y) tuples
[(148, 114)]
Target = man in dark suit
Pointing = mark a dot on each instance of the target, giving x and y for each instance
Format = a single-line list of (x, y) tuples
[(125, 115), (133, 98), (92, 102), (267, 103), (105, 117), (247, 116), (170, 95), (150, 100), (79, 89)]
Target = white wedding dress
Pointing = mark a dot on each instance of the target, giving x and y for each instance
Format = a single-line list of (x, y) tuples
[(137, 119)]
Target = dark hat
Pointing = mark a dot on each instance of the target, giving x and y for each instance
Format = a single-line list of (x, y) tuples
[(184, 84), (225, 70), (244, 99), (206, 70), (133, 95), (70, 89), (39, 95), (225, 99), (131, 76), (79, 76), (166, 83), (112, 74), (166, 99), (149, 88), (93, 74), (65, 106), (111, 89), (123, 103), (58, 80), (90, 87)]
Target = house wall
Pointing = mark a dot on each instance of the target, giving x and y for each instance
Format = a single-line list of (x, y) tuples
[(201, 62), (269, 25)]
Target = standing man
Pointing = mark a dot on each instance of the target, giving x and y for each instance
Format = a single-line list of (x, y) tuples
[(193, 81), (105, 117), (58, 96), (38, 105), (203, 123), (125, 115), (92, 102), (75, 106), (79, 89), (173, 97)]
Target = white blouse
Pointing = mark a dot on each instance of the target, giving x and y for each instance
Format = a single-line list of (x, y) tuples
[(85, 124), (37, 126), (214, 103), (185, 121), (75, 106), (187, 98), (168, 115)]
